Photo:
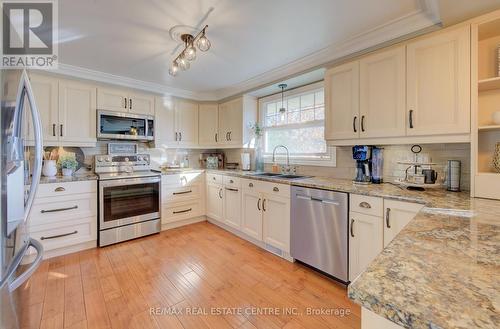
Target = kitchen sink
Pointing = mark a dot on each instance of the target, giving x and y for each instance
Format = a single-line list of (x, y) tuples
[(279, 176), (267, 174)]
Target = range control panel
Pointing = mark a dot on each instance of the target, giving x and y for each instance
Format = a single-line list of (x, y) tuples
[(134, 161)]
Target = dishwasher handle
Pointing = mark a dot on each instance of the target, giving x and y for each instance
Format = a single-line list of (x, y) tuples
[(326, 201)]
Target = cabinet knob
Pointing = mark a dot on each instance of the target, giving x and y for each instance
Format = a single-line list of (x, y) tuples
[(275, 189), (231, 181), (250, 184)]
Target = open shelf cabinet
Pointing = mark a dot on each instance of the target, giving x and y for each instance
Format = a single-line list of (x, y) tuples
[(486, 101)]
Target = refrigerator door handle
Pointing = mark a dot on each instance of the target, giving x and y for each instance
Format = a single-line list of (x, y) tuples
[(21, 279), (25, 89)]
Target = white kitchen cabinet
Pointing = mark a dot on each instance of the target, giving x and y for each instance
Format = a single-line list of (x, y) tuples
[(215, 201), (232, 206), (438, 83), (67, 110), (123, 100), (342, 102), (365, 241), (112, 99), (397, 215), (77, 112), (208, 132), (176, 122), (186, 123), (64, 217), (276, 221), (383, 94), (251, 223), (46, 91), (141, 103), (235, 118)]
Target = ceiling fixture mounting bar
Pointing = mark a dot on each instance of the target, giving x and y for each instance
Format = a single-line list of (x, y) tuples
[(181, 62)]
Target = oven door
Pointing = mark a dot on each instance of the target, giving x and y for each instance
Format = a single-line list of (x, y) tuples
[(115, 125), (127, 201)]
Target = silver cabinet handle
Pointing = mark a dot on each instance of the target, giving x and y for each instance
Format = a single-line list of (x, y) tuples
[(354, 124), (125, 102), (216, 136), (23, 277), (275, 189), (258, 204), (61, 130), (58, 236), (176, 138), (363, 123), (54, 129), (365, 205), (58, 209), (230, 138), (264, 204), (185, 192), (220, 193), (352, 228), (182, 211), (232, 189), (130, 103), (59, 189), (180, 136), (387, 217), (411, 119)]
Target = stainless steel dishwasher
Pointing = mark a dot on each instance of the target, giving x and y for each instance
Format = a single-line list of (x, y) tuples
[(319, 225)]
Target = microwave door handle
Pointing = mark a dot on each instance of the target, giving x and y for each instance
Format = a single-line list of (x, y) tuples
[(25, 89)]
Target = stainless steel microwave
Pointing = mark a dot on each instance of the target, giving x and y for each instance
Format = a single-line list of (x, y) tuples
[(124, 126)]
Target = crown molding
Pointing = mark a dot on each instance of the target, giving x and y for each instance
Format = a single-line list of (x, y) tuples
[(88, 74), (424, 17)]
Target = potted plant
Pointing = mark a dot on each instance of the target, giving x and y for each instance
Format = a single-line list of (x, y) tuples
[(67, 162)]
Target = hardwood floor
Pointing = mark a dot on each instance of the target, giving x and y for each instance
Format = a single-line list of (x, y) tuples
[(197, 276)]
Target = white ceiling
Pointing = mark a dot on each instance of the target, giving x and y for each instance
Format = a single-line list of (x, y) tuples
[(253, 42)]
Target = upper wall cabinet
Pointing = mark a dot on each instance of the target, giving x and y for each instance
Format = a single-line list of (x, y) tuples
[(208, 133), (235, 119), (176, 122), (342, 101), (67, 110), (382, 94), (438, 85), (122, 100), (367, 101)]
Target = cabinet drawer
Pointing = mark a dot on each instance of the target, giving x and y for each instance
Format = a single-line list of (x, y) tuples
[(65, 236), (61, 189), (178, 180), (180, 193), (63, 209), (230, 181), (269, 188), (367, 205), (214, 178), (181, 211)]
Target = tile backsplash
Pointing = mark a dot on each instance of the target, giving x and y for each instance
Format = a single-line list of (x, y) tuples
[(345, 169)]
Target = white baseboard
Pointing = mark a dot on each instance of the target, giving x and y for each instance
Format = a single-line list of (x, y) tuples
[(261, 244), (184, 222)]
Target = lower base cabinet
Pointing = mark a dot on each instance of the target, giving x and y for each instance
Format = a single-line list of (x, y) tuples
[(365, 242), (215, 201), (251, 223), (232, 207), (276, 221), (397, 215)]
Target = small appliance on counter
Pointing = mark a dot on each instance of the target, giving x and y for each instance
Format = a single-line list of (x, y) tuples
[(453, 177), (416, 178), (212, 160), (245, 161), (363, 155), (377, 165)]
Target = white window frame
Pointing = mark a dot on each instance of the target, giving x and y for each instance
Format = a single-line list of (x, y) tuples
[(330, 157)]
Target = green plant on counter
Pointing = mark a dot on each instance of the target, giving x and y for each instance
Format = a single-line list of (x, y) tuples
[(67, 161)]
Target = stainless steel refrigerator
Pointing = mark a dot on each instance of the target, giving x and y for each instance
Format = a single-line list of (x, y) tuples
[(20, 176)]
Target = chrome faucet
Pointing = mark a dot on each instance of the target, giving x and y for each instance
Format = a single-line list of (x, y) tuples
[(287, 156)]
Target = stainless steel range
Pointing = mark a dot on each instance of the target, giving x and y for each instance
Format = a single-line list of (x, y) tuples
[(129, 195)]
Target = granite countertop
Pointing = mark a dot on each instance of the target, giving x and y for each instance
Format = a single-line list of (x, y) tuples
[(441, 271), (66, 179)]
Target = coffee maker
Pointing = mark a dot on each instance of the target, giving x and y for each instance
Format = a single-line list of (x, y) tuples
[(363, 155)]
